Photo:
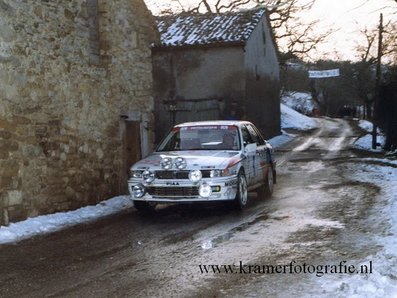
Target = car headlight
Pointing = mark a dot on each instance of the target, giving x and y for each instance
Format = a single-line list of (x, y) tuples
[(180, 163), (166, 163), (135, 174), (138, 191), (219, 173), (195, 175), (148, 176), (205, 190)]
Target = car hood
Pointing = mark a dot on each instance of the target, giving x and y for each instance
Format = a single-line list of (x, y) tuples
[(194, 159)]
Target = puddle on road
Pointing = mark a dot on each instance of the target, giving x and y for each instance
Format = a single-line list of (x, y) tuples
[(211, 243)]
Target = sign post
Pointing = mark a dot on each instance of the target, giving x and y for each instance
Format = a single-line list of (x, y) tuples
[(378, 74)]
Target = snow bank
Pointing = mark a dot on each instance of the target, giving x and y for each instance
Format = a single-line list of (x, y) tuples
[(293, 120), (292, 102), (54, 222), (367, 126), (299, 101), (278, 141), (365, 143)]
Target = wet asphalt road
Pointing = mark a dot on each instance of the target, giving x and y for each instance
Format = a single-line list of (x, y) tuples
[(317, 214)]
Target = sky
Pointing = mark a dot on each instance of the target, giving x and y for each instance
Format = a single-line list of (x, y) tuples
[(345, 17)]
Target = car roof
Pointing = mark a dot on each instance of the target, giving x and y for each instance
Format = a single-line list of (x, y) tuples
[(214, 122)]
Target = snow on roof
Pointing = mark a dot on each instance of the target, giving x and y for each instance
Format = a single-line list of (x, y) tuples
[(189, 29)]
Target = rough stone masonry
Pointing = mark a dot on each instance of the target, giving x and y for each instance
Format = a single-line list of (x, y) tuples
[(68, 70)]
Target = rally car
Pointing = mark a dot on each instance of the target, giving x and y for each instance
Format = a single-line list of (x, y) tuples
[(205, 161)]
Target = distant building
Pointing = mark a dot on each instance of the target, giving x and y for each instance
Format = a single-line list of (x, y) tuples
[(216, 66)]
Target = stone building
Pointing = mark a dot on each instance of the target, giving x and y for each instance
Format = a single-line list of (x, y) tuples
[(75, 101), (214, 66)]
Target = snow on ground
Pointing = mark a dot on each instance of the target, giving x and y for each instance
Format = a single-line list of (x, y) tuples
[(365, 142), (54, 222), (294, 120), (366, 125), (299, 101), (382, 281), (291, 119), (280, 139)]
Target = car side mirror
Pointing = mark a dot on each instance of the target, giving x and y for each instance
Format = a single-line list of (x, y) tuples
[(251, 148)]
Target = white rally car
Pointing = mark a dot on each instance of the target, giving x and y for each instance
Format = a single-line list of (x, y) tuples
[(205, 161)]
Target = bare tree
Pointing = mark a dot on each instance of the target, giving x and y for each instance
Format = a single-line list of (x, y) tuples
[(367, 51), (390, 42), (294, 36), (217, 6), (364, 69), (368, 58)]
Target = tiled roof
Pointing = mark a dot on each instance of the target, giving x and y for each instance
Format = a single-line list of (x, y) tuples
[(210, 28)]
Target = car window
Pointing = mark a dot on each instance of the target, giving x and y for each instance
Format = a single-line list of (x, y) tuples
[(247, 138), (210, 137), (255, 135)]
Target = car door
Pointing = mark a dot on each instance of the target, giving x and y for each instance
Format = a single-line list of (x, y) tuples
[(249, 161), (260, 160)]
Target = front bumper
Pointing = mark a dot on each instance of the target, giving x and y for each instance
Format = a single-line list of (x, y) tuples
[(184, 191)]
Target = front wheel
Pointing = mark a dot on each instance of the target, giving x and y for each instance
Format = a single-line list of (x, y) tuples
[(145, 206), (241, 199)]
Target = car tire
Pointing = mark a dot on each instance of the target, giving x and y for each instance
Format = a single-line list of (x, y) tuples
[(145, 206), (266, 190), (241, 199)]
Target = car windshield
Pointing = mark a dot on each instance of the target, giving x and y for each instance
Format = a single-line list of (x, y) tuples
[(213, 137)]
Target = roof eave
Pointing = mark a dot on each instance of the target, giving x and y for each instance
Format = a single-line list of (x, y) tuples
[(198, 46)]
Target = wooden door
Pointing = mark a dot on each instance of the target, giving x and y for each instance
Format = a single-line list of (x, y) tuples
[(132, 143)]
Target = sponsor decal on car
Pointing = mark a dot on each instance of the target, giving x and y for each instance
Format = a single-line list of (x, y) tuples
[(172, 183), (231, 182), (210, 127)]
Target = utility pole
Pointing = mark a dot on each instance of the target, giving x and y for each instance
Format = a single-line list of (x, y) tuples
[(377, 83)]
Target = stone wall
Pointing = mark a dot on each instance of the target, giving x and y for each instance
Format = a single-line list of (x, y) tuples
[(68, 70)]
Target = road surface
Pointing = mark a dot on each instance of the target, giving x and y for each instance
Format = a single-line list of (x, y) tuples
[(319, 214)]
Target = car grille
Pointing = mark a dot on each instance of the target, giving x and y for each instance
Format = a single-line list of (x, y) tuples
[(179, 174), (173, 191)]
